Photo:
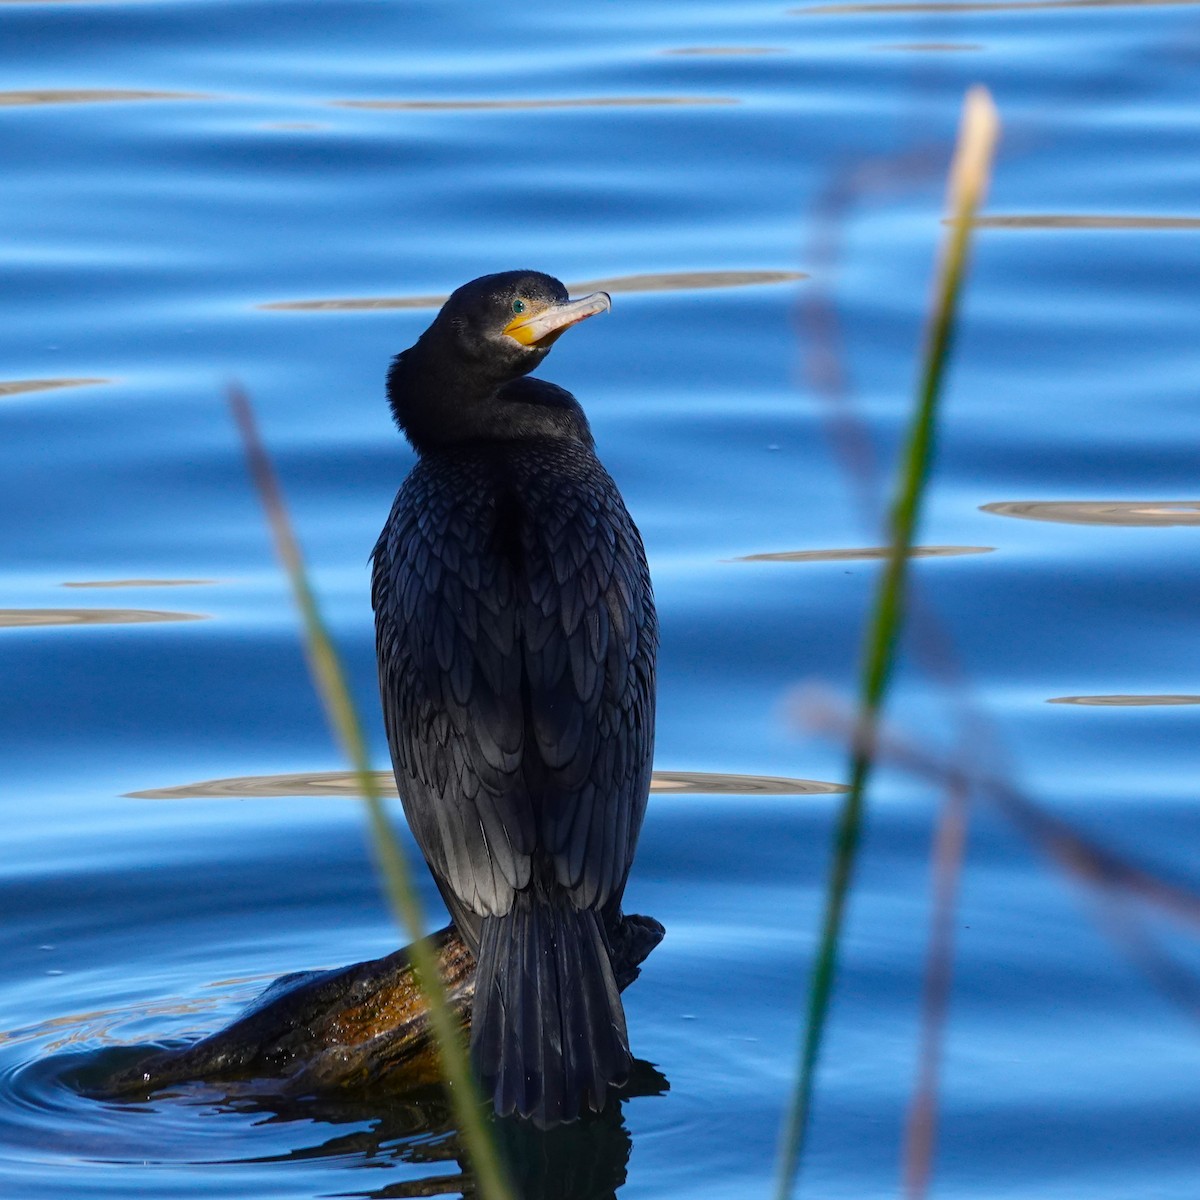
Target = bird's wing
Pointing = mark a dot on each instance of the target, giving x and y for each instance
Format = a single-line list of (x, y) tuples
[(516, 645), (589, 641), (450, 679)]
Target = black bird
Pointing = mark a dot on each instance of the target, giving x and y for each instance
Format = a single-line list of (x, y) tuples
[(516, 638)]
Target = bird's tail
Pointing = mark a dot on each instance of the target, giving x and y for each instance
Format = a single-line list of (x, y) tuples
[(548, 1031)]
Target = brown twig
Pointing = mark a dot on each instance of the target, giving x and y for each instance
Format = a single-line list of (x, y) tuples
[(1083, 858)]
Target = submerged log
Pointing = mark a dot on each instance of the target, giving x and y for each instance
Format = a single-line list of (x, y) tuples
[(352, 1027)]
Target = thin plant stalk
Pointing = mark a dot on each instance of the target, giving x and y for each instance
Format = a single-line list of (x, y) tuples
[(949, 848), (330, 682), (969, 173), (1120, 887)]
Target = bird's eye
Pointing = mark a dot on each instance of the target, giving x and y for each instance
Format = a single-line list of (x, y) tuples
[(518, 306)]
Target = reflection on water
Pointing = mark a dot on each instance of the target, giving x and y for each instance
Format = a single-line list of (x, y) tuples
[(957, 6), (17, 387), (105, 1025), (932, 47), (343, 783), (1082, 221), (585, 1160), (353, 303), (88, 96), (559, 102), (408, 1140), (720, 51), (686, 281), (677, 281), (1101, 512), (859, 553), (21, 617), (702, 783), (1126, 701), (139, 583)]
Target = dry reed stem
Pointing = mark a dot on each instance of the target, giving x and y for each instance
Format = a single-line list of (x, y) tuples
[(949, 849)]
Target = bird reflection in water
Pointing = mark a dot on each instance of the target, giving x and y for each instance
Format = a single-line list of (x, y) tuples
[(585, 1160)]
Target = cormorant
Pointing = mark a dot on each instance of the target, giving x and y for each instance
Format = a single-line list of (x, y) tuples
[(516, 638)]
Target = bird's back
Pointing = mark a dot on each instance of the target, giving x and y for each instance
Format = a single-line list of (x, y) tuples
[(516, 634)]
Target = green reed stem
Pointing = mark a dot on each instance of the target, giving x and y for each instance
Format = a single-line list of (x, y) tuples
[(329, 679), (969, 173)]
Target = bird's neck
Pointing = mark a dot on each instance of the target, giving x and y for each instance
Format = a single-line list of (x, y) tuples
[(428, 395), (439, 403)]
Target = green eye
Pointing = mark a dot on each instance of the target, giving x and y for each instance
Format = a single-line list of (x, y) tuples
[(518, 306)]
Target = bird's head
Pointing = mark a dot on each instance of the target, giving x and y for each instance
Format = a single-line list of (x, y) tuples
[(460, 380), (507, 322)]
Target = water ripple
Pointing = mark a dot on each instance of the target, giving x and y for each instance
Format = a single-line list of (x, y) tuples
[(20, 387), (935, 8), (663, 281), (522, 105), (932, 48), (1100, 512), (1083, 221), (1130, 701), (726, 51), (853, 554), (87, 96), (27, 617), (138, 583), (106, 1026), (343, 783)]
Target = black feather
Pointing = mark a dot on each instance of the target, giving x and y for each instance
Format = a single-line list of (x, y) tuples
[(548, 1035)]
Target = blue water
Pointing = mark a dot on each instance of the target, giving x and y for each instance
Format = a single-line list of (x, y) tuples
[(172, 170)]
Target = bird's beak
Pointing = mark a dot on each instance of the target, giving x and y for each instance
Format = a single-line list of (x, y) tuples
[(544, 327)]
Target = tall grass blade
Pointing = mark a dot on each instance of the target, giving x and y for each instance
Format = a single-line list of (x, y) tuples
[(330, 682), (969, 175)]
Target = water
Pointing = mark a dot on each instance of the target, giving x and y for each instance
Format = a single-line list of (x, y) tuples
[(180, 178)]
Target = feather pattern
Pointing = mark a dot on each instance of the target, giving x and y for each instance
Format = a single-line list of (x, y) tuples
[(516, 637)]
